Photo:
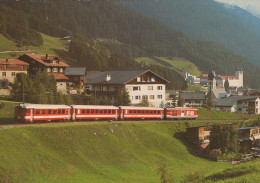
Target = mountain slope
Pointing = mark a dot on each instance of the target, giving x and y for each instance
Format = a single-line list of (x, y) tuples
[(229, 26), (137, 35)]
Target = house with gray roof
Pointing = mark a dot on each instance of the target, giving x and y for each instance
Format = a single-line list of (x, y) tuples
[(242, 104), (75, 74), (192, 99), (140, 85)]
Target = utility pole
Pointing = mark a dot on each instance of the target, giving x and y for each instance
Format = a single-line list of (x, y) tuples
[(23, 93)]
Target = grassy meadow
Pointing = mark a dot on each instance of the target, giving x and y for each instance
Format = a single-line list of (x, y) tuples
[(110, 152)]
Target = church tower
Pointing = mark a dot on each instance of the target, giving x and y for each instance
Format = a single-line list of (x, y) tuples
[(211, 80), (240, 75)]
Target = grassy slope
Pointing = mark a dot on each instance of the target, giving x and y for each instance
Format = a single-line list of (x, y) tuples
[(182, 65), (72, 153), (7, 111), (51, 45), (192, 87), (220, 115)]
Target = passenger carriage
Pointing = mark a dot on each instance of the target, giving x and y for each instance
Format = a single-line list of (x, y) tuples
[(41, 112), (131, 112), (181, 113), (94, 112)]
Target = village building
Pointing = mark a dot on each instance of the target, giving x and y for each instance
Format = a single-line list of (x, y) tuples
[(140, 85), (199, 135), (235, 81), (190, 78), (241, 104), (192, 99), (249, 137), (9, 68), (76, 75), (169, 96), (52, 64)]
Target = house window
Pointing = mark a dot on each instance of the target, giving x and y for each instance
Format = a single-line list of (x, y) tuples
[(136, 88), (4, 74), (55, 69), (153, 79), (48, 69), (143, 79), (22, 66), (151, 97), (144, 97), (150, 87), (138, 79), (159, 87), (137, 97), (159, 96), (13, 74), (61, 69), (5, 66)]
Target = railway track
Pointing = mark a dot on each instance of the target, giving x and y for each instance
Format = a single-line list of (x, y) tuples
[(21, 125)]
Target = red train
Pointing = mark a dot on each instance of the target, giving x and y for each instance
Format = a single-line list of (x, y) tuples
[(45, 112)]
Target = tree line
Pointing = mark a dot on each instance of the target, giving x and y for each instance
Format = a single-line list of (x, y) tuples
[(132, 34), (40, 89)]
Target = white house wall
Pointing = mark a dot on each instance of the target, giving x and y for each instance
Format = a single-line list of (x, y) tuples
[(156, 96)]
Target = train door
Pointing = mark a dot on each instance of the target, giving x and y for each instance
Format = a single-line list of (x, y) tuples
[(182, 113), (31, 115), (73, 114)]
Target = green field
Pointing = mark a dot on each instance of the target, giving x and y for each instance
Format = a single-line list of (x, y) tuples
[(7, 111), (92, 153), (206, 114), (179, 64), (51, 45)]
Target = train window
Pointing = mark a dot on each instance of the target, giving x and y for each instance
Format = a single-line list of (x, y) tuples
[(96, 112), (105, 111), (109, 111), (151, 112), (55, 111), (113, 111), (146, 112), (92, 111), (38, 111), (182, 111), (87, 111), (130, 111), (101, 111), (28, 111), (154, 112), (59, 111), (43, 111), (142, 111), (83, 111), (134, 111), (63, 111), (158, 112), (139, 112), (49, 111)]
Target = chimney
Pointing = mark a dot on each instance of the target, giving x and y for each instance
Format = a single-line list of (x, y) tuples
[(6, 60), (108, 77), (46, 56)]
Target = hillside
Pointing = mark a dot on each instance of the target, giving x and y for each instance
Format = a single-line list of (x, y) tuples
[(179, 64), (232, 27), (72, 153), (132, 153), (138, 35)]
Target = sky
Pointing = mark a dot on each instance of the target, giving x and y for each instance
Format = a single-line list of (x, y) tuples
[(252, 6)]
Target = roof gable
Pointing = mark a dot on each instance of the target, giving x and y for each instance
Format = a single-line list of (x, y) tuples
[(117, 77)]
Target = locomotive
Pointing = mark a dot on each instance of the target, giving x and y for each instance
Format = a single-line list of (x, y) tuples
[(48, 112)]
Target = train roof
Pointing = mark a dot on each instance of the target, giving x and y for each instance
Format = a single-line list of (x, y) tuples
[(140, 108), (94, 107), (183, 108), (44, 106)]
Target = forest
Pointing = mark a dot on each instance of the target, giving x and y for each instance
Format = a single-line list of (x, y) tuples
[(129, 35)]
